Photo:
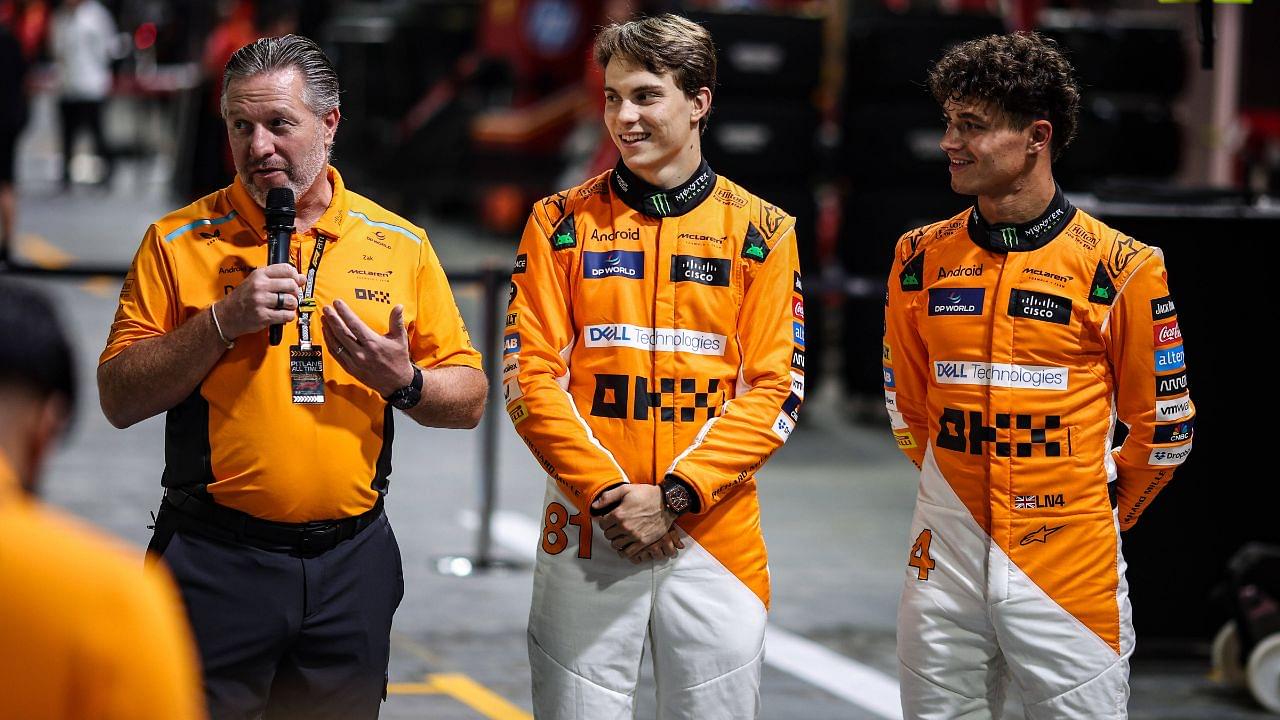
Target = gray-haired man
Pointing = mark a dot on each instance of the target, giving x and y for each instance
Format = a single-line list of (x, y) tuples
[(277, 458)]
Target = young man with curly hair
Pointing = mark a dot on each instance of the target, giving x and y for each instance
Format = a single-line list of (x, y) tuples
[(1016, 334), (653, 361)]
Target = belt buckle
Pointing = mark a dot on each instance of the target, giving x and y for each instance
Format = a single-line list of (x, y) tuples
[(318, 538)]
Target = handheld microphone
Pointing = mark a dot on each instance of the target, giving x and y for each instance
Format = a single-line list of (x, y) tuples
[(280, 214)]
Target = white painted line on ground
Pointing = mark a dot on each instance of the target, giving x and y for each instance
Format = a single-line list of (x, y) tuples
[(847, 679)]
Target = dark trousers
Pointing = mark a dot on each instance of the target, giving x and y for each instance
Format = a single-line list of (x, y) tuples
[(77, 115), (283, 636)]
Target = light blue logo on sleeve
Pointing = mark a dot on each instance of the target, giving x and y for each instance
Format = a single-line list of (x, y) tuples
[(797, 333), (1171, 358), (511, 344)]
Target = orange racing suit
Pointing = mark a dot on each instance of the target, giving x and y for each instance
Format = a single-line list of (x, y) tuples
[(653, 333), (1009, 353)]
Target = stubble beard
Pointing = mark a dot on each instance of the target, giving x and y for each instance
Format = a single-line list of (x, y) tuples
[(301, 176)]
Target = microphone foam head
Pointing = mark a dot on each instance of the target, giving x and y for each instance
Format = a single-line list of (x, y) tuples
[(280, 199)]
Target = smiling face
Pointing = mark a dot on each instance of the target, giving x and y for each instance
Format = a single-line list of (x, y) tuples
[(653, 122), (276, 140), (989, 156)]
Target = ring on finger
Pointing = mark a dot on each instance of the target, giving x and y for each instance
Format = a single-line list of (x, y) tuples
[(338, 350), (279, 301)]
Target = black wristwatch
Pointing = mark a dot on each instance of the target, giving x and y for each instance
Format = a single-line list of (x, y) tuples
[(407, 397), (675, 496)]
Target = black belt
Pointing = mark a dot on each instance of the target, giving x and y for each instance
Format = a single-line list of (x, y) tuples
[(197, 512)]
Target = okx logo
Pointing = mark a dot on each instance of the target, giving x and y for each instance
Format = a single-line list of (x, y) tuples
[(381, 296), (1014, 434), (624, 396)]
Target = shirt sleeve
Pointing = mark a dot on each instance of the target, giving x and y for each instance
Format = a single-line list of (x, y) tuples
[(148, 298), (766, 407), (905, 357), (537, 340), (438, 336), (1153, 399)]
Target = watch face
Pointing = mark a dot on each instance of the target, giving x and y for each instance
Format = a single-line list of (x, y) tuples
[(406, 398), (677, 498)]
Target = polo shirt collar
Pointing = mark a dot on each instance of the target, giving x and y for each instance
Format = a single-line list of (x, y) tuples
[(331, 224)]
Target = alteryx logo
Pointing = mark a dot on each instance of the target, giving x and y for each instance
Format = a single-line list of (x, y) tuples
[(956, 301), (511, 344), (1170, 359), (614, 263), (797, 333)]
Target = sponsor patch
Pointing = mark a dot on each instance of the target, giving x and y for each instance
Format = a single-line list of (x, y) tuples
[(1173, 408), (911, 279), (753, 246), (705, 271), (1173, 358), (796, 285), (510, 366), (564, 236), (885, 353), (1031, 377), (956, 301), (1167, 385), (1169, 455), (522, 264), (1102, 291), (512, 319), (797, 384), (783, 425), (797, 308), (962, 271), (655, 339), (791, 407), (1175, 433), (614, 263), (518, 412), (1162, 308), (891, 400), (511, 391), (896, 421), (511, 343), (797, 358), (1040, 306), (1166, 333), (905, 439), (888, 377), (797, 333)]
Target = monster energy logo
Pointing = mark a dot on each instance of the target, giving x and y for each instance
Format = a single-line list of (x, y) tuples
[(1009, 236), (658, 201)]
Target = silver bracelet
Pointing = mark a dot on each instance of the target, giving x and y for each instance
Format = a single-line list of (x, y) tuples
[(218, 326)]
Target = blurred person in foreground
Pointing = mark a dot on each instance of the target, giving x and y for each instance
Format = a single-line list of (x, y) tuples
[(85, 630), (277, 458), (1017, 333), (653, 361), (13, 118)]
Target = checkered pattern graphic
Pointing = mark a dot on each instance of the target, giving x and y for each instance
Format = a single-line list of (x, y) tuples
[(381, 296), (689, 398)]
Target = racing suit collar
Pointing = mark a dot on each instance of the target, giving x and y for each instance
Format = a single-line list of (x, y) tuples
[(656, 202), (1021, 237)]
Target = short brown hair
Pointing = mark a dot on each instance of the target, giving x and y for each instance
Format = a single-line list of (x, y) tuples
[(663, 44), (1024, 75)]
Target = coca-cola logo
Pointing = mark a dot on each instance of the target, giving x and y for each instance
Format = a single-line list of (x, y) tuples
[(1166, 333)]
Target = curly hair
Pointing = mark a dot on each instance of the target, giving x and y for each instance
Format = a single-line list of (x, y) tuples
[(1024, 75), (663, 44)]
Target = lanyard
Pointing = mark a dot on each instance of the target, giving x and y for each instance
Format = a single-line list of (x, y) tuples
[(306, 302)]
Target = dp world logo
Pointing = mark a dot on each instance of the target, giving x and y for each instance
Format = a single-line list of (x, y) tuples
[(613, 263), (956, 301)]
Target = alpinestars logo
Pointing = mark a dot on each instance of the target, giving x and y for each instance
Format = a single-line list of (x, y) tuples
[(1041, 535)]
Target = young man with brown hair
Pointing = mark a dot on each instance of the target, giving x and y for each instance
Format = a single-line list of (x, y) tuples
[(653, 362), (1016, 333)]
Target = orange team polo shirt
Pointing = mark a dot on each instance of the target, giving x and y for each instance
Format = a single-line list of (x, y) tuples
[(85, 630), (240, 431)]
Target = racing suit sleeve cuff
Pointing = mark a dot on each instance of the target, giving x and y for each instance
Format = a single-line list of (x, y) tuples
[(696, 501)]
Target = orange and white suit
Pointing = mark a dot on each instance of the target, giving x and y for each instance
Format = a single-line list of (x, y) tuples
[(1009, 354), (651, 333)]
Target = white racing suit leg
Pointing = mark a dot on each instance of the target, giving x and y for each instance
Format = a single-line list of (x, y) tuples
[(590, 616), (978, 619)]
